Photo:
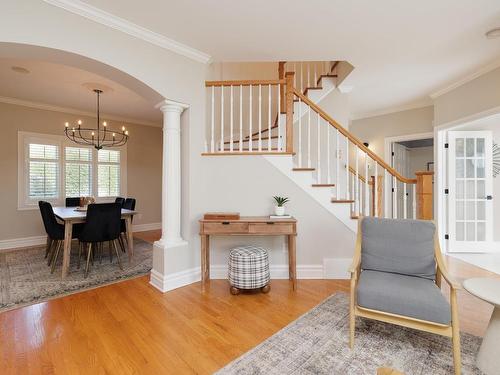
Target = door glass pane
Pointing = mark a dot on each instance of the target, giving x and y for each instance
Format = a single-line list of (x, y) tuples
[(460, 207), (470, 209), (459, 147), (480, 147), (469, 168), (469, 147), (481, 231), (460, 189), (480, 168), (481, 210), (470, 190), (459, 168), (471, 232), (481, 193), (460, 231)]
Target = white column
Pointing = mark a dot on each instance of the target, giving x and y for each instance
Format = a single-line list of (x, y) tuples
[(171, 238)]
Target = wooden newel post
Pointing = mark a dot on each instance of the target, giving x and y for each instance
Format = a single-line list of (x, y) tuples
[(424, 199), (289, 111), (281, 75)]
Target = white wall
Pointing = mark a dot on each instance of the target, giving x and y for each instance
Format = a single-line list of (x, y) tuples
[(419, 157)]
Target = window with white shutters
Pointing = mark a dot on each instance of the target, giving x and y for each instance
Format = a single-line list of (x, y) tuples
[(78, 171), (43, 171), (108, 173)]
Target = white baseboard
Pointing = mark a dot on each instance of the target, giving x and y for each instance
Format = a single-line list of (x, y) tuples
[(164, 283), (313, 271), (145, 227), (18, 243)]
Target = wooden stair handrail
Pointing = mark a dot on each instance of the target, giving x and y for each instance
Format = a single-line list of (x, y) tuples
[(353, 139), (245, 82), (353, 171)]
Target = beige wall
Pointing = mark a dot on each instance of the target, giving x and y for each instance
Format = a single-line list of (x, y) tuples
[(479, 95), (419, 157), (374, 130), (143, 167)]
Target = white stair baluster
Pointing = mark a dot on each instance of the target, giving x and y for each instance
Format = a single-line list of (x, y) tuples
[(212, 124), (328, 131), (386, 193), (348, 196), (250, 136), (269, 119), (300, 133), (395, 198), (318, 125), (260, 117), (309, 138), (280, 143), (414, 199), (367, 188), (241, 118), (222, 119), (231, 122), (405, 202), (356, 188), (375, 191), (337, 164)]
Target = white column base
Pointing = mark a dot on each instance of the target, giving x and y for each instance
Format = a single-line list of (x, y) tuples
[(163, 277)]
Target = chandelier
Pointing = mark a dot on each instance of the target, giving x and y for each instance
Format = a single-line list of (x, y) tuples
[(98, 137)]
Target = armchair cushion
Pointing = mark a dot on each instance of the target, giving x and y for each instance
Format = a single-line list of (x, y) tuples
[(398, 246), (409, 296)]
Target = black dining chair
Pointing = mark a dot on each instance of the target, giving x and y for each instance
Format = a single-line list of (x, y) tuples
[(102, 225), (128, 204), (55, 233), (120, 200), (73, 202)]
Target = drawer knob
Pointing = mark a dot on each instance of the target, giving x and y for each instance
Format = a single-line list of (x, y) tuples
[(225, 223), (270, 222)]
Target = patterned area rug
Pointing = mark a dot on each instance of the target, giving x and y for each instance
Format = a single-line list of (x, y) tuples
[(25, 277), (317, 343)]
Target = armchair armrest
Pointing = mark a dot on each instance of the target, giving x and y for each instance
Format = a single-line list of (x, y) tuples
[(356, 259), (442, 267)]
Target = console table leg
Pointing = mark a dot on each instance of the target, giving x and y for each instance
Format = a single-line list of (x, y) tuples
[(292, 261), (205, 259)]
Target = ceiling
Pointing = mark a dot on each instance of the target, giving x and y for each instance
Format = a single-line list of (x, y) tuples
[(401, 52), (70, 87)]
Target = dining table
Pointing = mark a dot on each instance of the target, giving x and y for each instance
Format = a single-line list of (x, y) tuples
[(73, 215)]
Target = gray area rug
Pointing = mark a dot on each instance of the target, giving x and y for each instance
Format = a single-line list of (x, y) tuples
[(317, 343), (25, 277)]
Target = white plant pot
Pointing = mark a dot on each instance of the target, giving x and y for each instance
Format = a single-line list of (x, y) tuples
[(279, 211)]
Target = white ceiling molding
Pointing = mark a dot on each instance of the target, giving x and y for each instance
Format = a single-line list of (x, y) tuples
[(387, 111), (73, 111), (462, 81), (120, 24)]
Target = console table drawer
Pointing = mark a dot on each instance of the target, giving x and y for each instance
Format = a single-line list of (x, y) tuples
[(225, 228), (271, 228)]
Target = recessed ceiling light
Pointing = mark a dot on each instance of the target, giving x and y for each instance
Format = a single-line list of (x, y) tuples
[(493, 33), (20, 69)]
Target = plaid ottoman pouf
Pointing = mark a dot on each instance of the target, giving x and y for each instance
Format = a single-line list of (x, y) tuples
[(248, 268)]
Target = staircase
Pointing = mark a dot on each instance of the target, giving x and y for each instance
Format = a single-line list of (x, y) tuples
[(281, 120)]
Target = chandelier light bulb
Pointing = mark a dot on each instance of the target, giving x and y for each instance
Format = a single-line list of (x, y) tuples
[(104, 124), (113, 135), (126, 132), (93, 134), (79, 122), (73, 130), (66, 124)]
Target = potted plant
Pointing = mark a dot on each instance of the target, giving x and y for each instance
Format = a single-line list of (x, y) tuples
[(279, 209)]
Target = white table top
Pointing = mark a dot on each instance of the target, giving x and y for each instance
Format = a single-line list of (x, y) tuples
[(486, 288), (70, 213)]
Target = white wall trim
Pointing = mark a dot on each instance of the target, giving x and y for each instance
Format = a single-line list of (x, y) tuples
[(73, 111), (388, 111), (107, 19), (462, 81), (400, 138), (174, 280), (19, 243)]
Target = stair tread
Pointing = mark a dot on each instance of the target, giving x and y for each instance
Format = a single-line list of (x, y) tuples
[(342, 200), (323, 185), (303, 169)]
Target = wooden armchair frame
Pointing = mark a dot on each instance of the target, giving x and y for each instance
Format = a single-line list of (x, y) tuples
[(451, 330)]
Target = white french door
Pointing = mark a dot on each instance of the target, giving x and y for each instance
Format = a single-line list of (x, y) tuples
[(470, 184)]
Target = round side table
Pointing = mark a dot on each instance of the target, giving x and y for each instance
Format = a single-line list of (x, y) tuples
[(488, 289)]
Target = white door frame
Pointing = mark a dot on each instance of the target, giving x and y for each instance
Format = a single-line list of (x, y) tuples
[(441, 168), (388, 141)]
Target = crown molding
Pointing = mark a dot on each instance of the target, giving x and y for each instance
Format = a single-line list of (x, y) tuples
[(462, 81), (387, 111), (73, 111), (104, 18)]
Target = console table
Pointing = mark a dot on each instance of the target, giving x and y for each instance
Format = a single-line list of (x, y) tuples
[(249, 226)]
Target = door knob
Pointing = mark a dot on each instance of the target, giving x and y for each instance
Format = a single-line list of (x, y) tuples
[(489, 197)]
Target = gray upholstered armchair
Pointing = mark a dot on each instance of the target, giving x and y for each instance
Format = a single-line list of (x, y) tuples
[(396, 278)]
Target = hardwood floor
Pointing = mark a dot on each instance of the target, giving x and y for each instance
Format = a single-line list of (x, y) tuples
[(131, 328)]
